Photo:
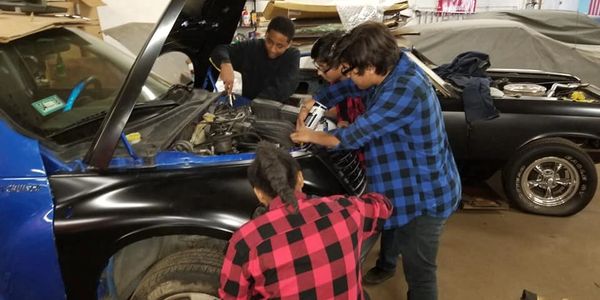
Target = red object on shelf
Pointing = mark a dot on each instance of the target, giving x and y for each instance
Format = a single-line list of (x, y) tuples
[(463, 6)]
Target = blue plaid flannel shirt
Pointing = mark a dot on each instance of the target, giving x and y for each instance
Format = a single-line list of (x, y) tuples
[(402, 133)]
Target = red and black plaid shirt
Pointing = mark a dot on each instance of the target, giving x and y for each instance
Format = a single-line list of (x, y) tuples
[(349, 111), (312, 254)]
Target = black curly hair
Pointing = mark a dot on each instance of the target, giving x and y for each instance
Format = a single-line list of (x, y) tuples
[(322, 49), (274, 172), (282, 25)]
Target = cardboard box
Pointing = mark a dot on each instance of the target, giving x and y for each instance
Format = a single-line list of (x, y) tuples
[(19, 25), (92, 29), (300, 10), (70, 6), (88, 8), (84, 8)]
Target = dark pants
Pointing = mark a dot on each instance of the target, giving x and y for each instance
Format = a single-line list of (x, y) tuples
[(418, 243)]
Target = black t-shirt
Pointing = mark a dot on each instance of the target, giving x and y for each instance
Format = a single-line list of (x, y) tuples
[(275, 79)]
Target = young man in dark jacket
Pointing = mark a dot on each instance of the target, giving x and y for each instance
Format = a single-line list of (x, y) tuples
[(269, 66), (407, 153)]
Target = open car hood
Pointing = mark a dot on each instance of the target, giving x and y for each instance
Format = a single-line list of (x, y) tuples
[(193, 27)]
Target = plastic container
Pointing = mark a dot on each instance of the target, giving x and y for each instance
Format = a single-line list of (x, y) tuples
[(246, 22)]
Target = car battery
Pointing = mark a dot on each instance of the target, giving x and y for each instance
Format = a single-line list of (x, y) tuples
[(266, 109), (290, 113)]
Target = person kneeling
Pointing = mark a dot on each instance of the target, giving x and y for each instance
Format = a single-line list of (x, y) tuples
[(300, 248)]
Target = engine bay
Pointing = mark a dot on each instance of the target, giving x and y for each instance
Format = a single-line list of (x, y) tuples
[(226, 129), (542, 87)]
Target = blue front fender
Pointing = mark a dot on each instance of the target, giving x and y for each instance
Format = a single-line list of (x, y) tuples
[(29, 266)]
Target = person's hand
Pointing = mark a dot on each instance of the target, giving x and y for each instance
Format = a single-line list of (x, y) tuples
[(305, 109), (302, 134), (227, 77), (300, 123)]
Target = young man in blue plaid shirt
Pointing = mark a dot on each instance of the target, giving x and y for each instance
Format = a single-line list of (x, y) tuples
[(408, 157)]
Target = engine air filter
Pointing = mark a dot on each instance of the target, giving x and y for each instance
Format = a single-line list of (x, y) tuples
[(524, 89)]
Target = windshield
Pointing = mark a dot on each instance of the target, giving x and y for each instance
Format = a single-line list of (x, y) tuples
[(56, 80)]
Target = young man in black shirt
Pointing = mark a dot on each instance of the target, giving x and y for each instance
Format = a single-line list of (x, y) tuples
[(269, 66)]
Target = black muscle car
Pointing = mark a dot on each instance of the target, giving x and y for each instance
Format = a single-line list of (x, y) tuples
[(545, 140)]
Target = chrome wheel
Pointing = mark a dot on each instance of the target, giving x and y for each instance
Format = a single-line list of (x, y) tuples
[(551, 176), (550, 181)]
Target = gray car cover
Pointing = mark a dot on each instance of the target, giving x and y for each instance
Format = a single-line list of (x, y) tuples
[(512, 44), (565, 26)]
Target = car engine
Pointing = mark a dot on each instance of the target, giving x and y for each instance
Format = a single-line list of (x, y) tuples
[(542, 87), (229, 130)]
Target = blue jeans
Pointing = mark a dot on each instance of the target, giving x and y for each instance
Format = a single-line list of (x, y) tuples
[(418, 243)]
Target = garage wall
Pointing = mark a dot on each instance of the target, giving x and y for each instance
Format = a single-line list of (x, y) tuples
[(482, 5), (561, 4), (119, 12), (486, 5)]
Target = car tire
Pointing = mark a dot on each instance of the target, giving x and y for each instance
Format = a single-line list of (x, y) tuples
[(550, 177), (181, 275)]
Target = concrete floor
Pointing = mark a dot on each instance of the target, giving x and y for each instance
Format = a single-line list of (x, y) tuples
[(496, 254)]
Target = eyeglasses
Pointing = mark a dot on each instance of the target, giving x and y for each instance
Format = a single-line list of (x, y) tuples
[(319, 68), (347, 70)]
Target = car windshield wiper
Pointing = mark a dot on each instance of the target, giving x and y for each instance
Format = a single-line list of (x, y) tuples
[(164, 100), (87, 119), (101, 114), (177, 88)]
